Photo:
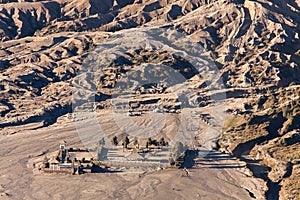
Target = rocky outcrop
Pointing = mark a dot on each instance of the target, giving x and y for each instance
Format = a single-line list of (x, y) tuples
[(23, 19)]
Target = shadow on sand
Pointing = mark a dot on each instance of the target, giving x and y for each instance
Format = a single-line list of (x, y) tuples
[(208, 159)]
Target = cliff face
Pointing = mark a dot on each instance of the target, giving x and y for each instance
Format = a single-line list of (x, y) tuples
[(255, 45)]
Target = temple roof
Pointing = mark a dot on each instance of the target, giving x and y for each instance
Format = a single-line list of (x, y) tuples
[(53, 160)]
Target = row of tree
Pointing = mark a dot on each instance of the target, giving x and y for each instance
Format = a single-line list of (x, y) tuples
[(161, 142), (126, 141)]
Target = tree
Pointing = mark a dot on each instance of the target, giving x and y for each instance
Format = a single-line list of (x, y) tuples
[(162, 142), (149, 141), (136, 144), (115, 141), (155, 143), (45, 163), (152, 142), (126, 142), (102, 142), (177, 152)]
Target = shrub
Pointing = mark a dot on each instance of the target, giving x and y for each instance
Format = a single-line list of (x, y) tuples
[(114, 141)]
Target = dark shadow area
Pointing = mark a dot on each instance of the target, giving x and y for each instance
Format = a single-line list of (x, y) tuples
[(260, 171), (289, 170), (236, 93), (97, 169), (251, 194), (9, 105), (189, 160), (152, 6), (216, 158), (220, 166), (4, 64), (208, 161), (247, 146), (246, 24), (49, 117), (56, 41)]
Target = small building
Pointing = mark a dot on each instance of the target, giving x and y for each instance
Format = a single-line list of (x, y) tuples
[(54, 164), (77, 162)]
